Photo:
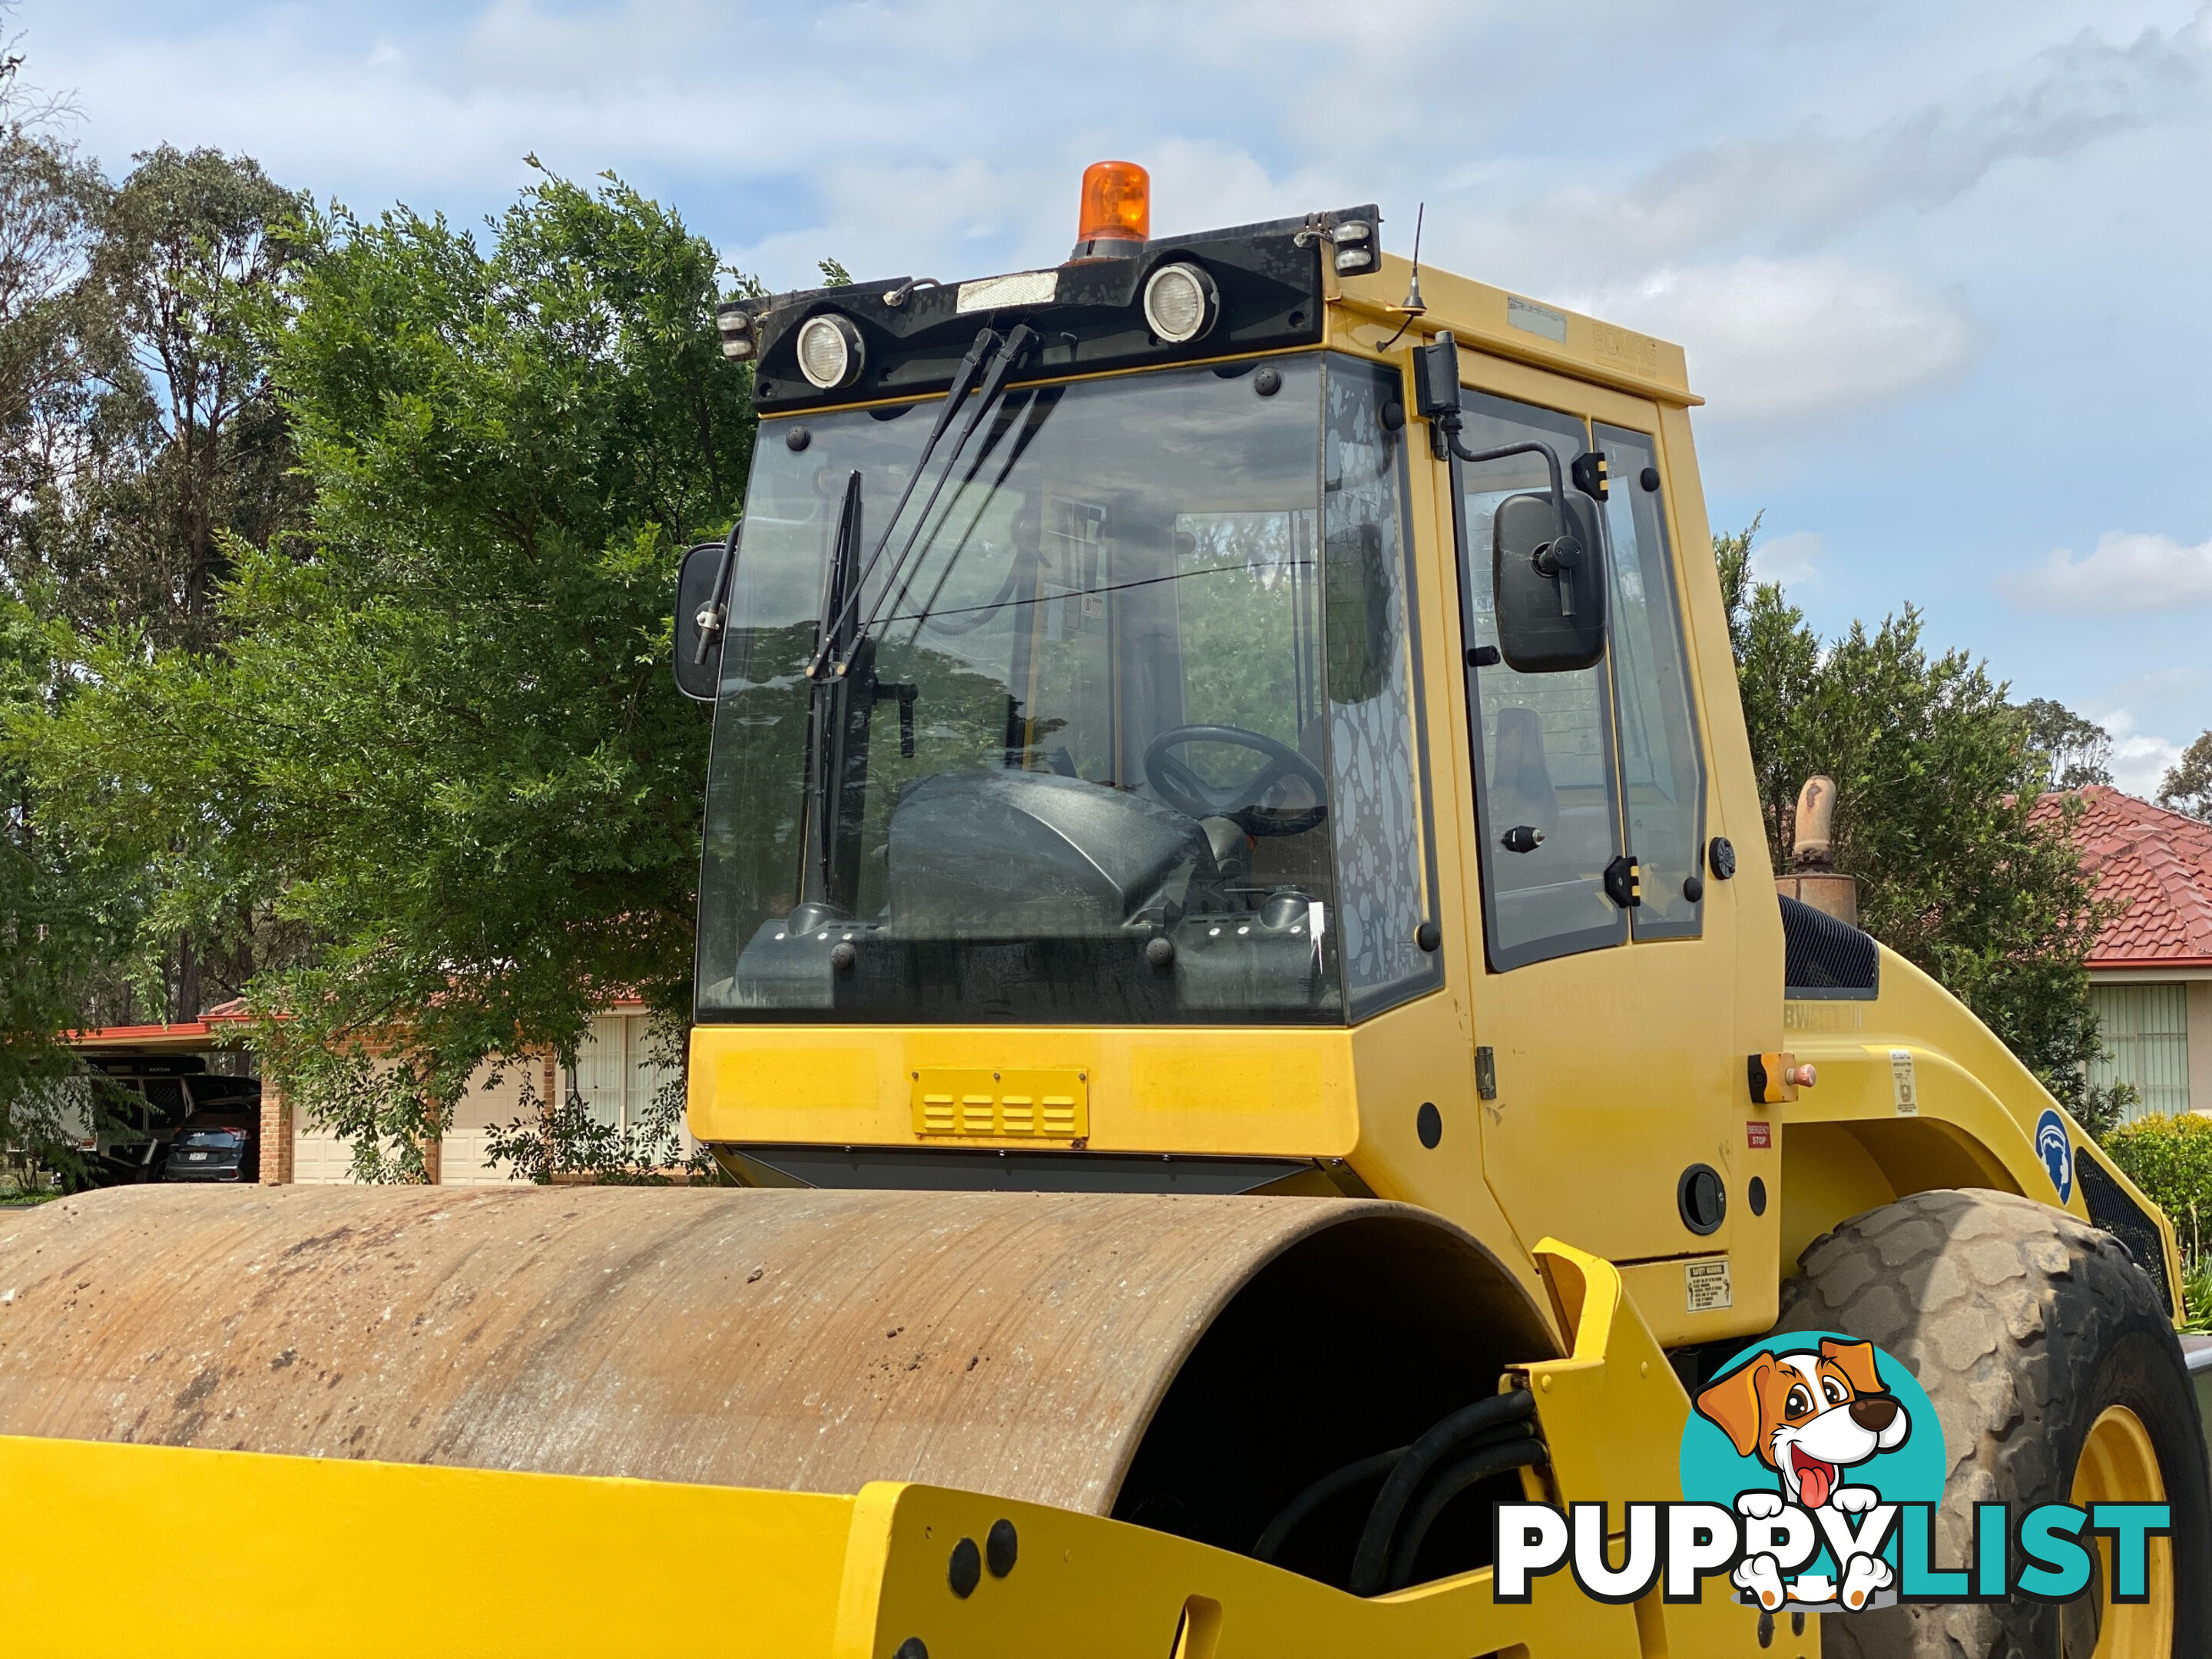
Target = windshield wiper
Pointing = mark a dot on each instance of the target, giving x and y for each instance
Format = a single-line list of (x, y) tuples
[(822, 892), (964, 382), (1041, 408), (1009, 355)]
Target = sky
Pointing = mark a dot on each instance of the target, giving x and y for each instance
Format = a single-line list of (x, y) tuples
[(1941, 271)]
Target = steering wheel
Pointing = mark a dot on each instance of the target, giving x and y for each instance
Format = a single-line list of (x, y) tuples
[(1181, 788)]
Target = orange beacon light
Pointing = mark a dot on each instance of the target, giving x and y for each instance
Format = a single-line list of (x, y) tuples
[(1117, 203)]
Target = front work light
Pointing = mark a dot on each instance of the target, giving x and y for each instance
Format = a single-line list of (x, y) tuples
[(829, 352), (1180, 302), (735, 325), (1117, 203)]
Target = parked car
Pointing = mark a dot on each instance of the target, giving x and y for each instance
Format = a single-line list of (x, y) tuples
[(131, 1107), (214, 1146)]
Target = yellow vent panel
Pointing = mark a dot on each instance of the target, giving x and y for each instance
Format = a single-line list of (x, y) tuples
[(977, 1104)]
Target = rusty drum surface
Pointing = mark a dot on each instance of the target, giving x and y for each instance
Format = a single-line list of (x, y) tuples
[(1008, 1343)]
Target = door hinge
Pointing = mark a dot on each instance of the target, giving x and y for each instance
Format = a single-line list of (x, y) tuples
[(1624, 882)]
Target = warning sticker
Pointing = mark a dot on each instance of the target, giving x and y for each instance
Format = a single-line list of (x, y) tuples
[(1758, 1136), (1537, 319), (1705, 1285), (1902, 1087)]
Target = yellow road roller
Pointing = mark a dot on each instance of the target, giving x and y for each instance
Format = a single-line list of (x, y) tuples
[(1240, 986)]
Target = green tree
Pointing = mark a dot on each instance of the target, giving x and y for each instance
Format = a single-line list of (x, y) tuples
[(2076, 752), (2187, 785), (1937, 776), (51, 203), (145, 439), (59, 923), (441, 740)]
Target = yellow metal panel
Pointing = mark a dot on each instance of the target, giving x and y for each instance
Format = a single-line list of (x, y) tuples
[(131, 1550), (1593, 351), (1082, 1586), (1023, 1105), (1194, 1089), (1613, 1413)]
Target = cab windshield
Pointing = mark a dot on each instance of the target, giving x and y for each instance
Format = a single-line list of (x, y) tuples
[(1119, 725)]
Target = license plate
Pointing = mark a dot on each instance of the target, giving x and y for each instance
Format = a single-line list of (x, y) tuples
[(198, 1157)]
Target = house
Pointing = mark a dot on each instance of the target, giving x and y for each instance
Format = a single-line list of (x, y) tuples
[(615, 1076), (2150, 969)]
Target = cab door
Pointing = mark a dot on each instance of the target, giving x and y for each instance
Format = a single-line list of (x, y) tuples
[(1612, 1098)]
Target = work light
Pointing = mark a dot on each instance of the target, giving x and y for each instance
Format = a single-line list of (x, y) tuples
[(829, 352), (1180, 302), (735, 325)]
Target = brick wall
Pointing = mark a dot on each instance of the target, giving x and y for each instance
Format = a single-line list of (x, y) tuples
[(276, 1135)]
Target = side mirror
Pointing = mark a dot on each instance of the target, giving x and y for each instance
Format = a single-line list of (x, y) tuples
[(702, 587), (1551, 609)]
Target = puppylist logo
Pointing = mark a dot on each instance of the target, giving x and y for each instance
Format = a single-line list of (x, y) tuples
[(1811, 1467)]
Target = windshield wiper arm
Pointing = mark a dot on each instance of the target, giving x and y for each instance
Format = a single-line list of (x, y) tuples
[(964, 382), (1010, 354), (825, 741)]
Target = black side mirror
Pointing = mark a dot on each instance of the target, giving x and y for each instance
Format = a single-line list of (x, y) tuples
[(702, 587), (1550, 588)]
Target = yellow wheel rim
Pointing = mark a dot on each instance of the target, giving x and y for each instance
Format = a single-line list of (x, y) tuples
[(2119, 1465)]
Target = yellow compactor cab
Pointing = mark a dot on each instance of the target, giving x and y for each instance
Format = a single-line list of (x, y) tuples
[(1236, 939)]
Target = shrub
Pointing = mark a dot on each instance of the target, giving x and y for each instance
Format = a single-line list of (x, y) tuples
[(2170, 1159)]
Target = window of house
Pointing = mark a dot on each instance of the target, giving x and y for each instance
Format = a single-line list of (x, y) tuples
[(618, 1074), (2146, 1029)]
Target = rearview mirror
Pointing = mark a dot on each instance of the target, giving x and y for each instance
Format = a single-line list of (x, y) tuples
[(703, 587), (1551, 599)]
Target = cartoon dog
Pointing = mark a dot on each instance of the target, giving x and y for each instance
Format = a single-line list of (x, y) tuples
[(1809, 1416)]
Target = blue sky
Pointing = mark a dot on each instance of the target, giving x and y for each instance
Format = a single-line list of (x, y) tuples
[(1942, 270)]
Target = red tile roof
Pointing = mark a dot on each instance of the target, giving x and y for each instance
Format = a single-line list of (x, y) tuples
[(2160, 864)]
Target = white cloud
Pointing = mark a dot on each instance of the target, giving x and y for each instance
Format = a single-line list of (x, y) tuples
[(1788, 343), (2158, 685), (2140, 759), (1789, 559), (1788, 191), (2128, 572)]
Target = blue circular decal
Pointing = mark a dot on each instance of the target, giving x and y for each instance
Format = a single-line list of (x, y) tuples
[(2056, 1148)]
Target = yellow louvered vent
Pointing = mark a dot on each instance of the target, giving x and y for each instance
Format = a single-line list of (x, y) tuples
[(986, 1105)]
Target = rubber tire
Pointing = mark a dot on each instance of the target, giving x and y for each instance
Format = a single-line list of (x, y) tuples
[(2023, 1323)]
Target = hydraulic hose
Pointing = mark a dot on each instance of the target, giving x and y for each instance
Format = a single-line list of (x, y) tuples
[(1337, 1480), (1372, 1559), (1498, 1454)]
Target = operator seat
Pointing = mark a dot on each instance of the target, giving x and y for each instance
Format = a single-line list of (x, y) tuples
[(1520, 779)]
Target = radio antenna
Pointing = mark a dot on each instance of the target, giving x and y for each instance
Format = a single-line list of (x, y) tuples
[(1414, 306)]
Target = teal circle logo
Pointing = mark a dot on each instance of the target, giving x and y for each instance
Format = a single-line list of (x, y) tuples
[(1814, 1421)]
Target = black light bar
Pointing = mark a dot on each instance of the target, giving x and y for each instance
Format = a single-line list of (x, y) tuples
[(1090, 312)]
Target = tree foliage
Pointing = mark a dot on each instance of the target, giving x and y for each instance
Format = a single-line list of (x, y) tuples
[(1937, 775), (139, 438), (440, 741), (2076, 751), (2187, 785)]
